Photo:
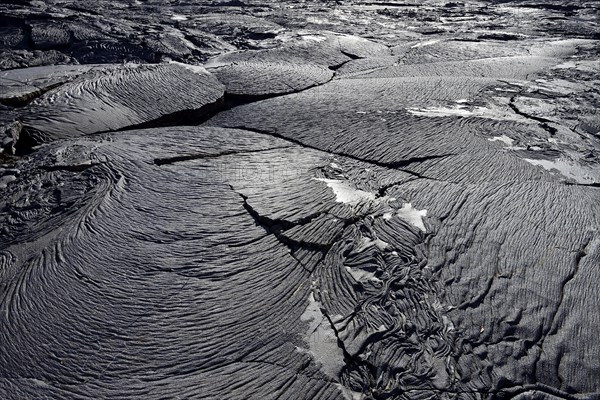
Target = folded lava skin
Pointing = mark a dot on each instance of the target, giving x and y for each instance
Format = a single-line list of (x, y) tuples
[(299, 200)]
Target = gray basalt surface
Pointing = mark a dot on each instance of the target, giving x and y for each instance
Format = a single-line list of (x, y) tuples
[(111, 98), (293, 200)]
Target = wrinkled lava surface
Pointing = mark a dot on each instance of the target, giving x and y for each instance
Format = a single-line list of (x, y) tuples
[(299, 200)]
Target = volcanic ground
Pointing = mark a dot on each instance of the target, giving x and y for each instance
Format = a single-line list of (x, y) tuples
[(299, 200)]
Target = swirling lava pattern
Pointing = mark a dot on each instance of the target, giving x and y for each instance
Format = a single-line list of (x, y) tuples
[(118, 97)]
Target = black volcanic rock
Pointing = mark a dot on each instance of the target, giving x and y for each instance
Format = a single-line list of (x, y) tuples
[(47, 35), (305, 61), (116, 97), (18, 87), (256, 199)]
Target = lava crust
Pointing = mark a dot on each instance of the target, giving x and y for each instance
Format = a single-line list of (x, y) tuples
[(291, 200)]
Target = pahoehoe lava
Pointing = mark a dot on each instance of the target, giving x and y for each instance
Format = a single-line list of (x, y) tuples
[(299, 200)]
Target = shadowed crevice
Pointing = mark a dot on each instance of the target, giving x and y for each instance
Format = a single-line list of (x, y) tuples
[(202, 156), (190, 117), (26, 99), (542, 122), (398, 165)]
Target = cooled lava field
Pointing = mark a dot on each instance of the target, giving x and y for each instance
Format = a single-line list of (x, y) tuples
[(259, 199)]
